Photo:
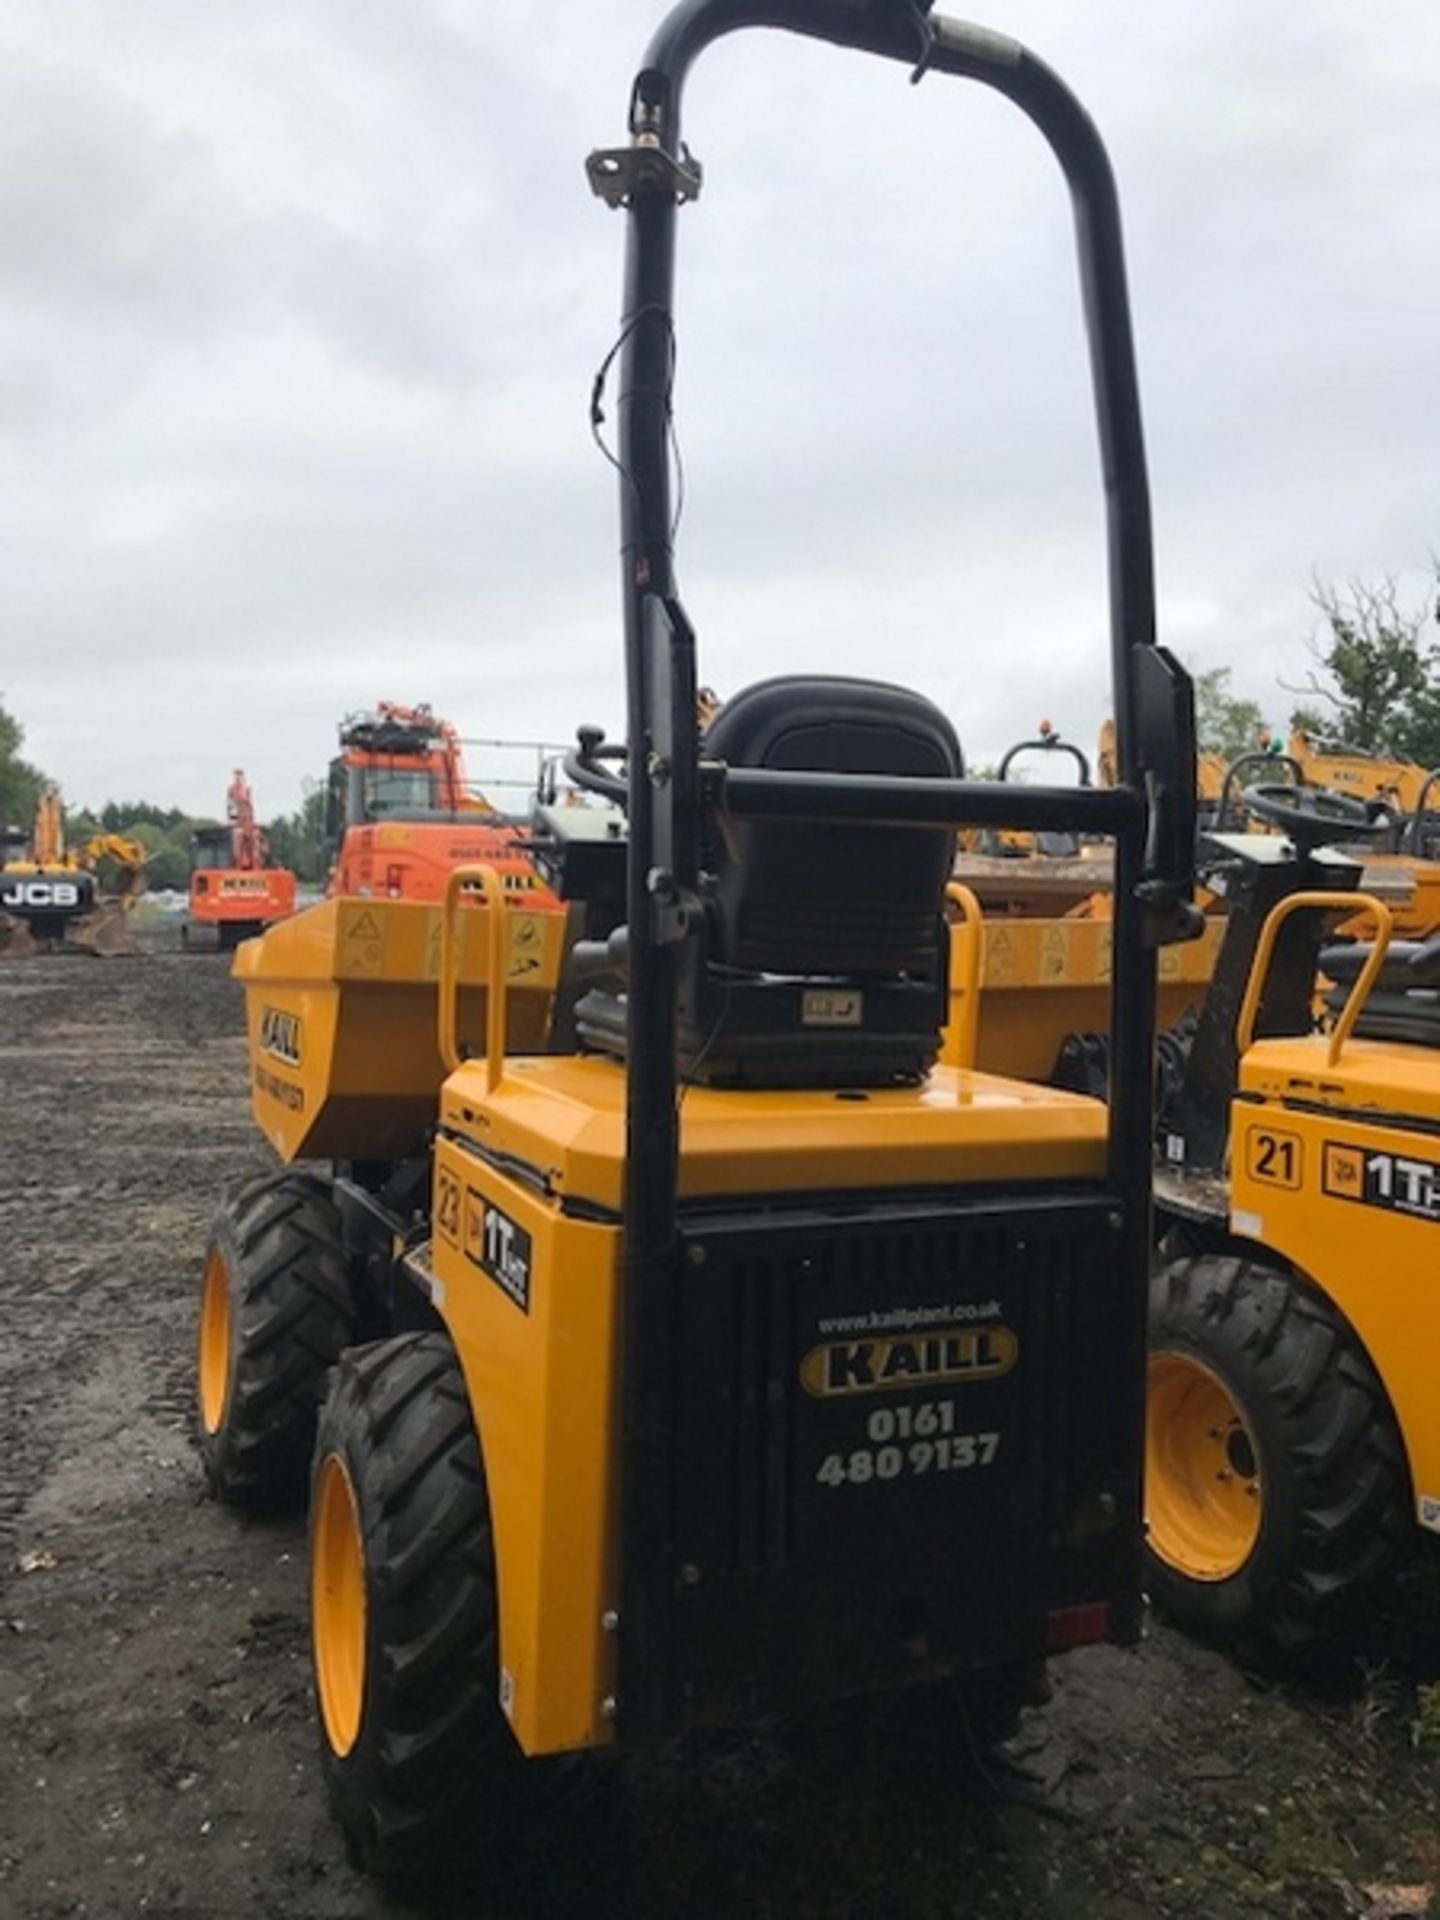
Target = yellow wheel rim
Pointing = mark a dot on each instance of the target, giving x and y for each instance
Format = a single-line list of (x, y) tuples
[(337, 1605), (1202, 1471), (215, 1337)]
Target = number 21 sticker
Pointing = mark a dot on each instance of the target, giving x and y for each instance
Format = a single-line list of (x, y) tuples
[(1277, 1158)]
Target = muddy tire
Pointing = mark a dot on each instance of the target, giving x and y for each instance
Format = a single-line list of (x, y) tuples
[(404, 1632), (1277, 1494), (276, 1313)]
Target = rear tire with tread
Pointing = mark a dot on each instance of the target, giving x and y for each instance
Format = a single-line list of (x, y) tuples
[(1335, 1511), (433, 1748), (291, 1313)]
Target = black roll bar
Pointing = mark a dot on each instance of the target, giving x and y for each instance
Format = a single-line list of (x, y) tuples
[(880, 800), (1150, 810)]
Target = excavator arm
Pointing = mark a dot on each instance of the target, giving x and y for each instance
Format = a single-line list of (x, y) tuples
[(129, 858)]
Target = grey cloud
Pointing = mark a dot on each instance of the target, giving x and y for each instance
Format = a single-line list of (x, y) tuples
[(299, 306)]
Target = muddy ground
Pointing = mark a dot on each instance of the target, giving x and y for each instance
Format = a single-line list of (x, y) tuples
[(156, 1739)]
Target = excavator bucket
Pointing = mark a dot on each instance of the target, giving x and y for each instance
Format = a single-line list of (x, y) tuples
[(105, 933), (16, 940)]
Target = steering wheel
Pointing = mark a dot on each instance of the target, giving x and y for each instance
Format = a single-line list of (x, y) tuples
[(1244, 764), (584, 765), (1422, 823), (1311, 816)]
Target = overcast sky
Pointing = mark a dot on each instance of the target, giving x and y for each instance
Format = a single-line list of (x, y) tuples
[(300, 304)]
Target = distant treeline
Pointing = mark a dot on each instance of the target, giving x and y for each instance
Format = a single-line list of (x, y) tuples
[(297, 840)]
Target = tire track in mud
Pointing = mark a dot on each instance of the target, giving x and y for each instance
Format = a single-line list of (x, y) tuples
[(156, 1737), (119, 1126)]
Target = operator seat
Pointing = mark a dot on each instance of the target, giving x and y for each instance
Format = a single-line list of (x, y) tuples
[(823, 957), (1404, 1003)]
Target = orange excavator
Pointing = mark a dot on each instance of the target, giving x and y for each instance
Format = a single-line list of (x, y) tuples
[(400, 815), (234, 892)]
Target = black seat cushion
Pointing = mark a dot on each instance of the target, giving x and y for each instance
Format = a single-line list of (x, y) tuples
[(824, 957), (1411, 1018), (1407, 963), (1404, 1003), (842, 899)]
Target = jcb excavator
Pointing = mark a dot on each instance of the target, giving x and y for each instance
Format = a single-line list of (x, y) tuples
[(234, 891), (78, 899), (733, 1356)]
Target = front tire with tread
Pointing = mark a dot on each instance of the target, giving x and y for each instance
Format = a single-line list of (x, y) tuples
[(1333, 1487), (432, 1745), (278, 1312)]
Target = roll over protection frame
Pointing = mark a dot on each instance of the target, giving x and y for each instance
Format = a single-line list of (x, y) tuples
[(1150, 811), (1046, 743)]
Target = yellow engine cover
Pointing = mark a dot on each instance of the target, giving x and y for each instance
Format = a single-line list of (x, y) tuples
[(529, 1180)]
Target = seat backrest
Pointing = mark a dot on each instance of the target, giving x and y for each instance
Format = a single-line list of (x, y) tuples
[(818, 899)]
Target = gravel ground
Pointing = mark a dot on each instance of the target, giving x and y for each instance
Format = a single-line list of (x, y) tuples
[(156, 1736)]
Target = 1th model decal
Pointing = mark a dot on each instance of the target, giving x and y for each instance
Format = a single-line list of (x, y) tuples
[(499, 1246), (1395, 1182)]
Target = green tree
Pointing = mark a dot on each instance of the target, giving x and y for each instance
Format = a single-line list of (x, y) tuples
[(20, 783), (81, 825), (123, 816), (1224, 724), (297, 840), (1375, 682), (169, 865), (167, 854)]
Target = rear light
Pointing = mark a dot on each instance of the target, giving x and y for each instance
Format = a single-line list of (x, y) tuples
[(394, 881), (1081, 1626)]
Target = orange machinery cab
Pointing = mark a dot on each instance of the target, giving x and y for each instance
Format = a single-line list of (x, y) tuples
[(401, 819), (412, 859), (229, 904)]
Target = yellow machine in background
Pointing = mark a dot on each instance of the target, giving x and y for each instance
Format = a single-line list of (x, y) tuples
[(341, 1008), (1044, 981), (1395, 796), (76, 898), (1293, 1432), (1394, 786)]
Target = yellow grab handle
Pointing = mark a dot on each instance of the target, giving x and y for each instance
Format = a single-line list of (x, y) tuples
[(966, 1028), (491, 885), (1359, 993)]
